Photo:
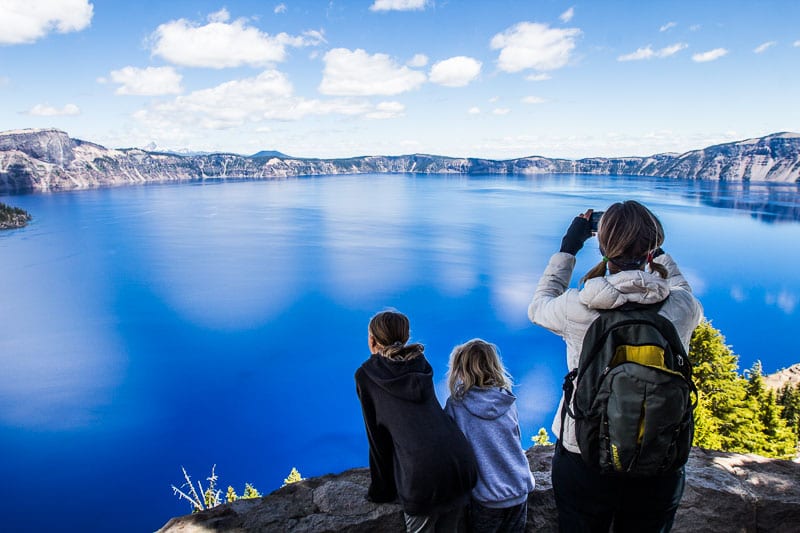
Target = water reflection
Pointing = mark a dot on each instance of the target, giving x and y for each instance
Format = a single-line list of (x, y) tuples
[(766, 202)]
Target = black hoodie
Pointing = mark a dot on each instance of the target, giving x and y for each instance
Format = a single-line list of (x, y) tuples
[(416, 452)]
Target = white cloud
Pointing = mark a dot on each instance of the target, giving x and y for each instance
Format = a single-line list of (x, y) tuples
[(667, 26), (796, 44), (648, 53), (711, 55), (27, 21), (220, 44), (419, 60), (355, 72), (695, 27), (280, 8), (150, 81), (530, 45), (567, 15), (256, 100), (533, 100), (540, 76), (763, 47), (640, 53), (494, 99), (474, 110), (386, 110), (501, 111), (398, 5), (672, 49), (44, 110), (455, 72)]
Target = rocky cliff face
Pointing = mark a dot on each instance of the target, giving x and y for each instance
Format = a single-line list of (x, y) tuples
[(47, 160), (724, 492)]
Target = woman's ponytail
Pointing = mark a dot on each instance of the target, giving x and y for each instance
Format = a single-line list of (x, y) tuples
[(598, 271)]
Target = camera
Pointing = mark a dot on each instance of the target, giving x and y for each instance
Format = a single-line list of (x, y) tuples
[(595, 220)]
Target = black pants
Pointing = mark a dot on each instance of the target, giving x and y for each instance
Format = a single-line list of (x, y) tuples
[(588, 501), (490, 520)]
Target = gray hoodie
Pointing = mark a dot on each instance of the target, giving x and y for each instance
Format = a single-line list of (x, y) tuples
[(488, 418)]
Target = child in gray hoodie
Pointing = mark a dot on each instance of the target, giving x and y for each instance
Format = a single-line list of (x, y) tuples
[(482, 405)]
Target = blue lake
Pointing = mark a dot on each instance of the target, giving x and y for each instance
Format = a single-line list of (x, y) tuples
[(147, 328)]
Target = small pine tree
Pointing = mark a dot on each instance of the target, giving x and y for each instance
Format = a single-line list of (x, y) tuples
[(250, 492), (293, 477), (734, 413), (789, 399), (542, 438)]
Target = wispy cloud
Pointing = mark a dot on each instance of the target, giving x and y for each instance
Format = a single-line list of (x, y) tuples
[(398, 5), (796, 44), (533, 100), (474, 110), (539, 76), (763, 47), (711, 55), (531, 45), (150, 81), (567, 15), (386, 110), (45, 110), (419, 60), (280, 8), (455, 72), (223, 44), (355, 72), (26, 22), (667, 26), (648, 53), (784, 300), (501, 111)]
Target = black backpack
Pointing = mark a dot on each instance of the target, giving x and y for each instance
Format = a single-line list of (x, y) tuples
[(634, 400)]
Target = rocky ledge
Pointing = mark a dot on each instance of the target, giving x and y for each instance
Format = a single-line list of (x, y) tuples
[(724, 492)]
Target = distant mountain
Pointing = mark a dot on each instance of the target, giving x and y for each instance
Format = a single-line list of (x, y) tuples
[(270, 153), (48, 159)]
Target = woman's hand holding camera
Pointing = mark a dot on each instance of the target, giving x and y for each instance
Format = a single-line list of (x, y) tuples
[(578, 232)]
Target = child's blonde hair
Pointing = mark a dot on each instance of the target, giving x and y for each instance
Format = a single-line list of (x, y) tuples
[(476, 363)]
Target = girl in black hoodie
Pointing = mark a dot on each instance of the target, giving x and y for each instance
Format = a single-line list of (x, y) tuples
[(416, 452)]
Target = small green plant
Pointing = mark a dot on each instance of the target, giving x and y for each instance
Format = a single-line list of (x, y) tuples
[(293, 477), (542, 438), (211, 496)]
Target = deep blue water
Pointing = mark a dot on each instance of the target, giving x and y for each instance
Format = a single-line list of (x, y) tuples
[(147, 328)]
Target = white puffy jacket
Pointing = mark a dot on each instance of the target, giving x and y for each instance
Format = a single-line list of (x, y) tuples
[(570, 312)]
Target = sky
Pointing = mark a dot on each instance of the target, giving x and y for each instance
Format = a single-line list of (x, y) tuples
[(496, 79)]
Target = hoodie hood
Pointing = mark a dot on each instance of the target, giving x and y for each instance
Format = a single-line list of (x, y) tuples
[(410, 380), (488, 403), (628, 286)]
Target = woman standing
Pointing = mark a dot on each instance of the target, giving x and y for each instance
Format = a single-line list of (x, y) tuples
[(634, 271), (416, 452)]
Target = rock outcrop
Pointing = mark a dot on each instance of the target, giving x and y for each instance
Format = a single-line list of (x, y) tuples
[(13, 217), (47, 160), (787, 376), (724, 492)]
